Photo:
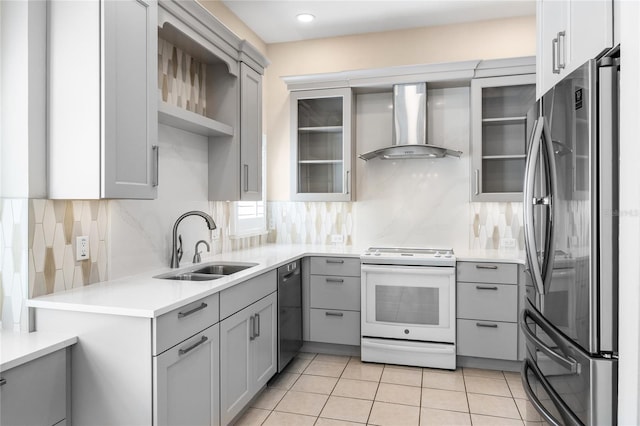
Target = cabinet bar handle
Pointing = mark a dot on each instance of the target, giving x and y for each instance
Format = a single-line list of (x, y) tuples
[(554, 56), (246, 178), (486, 287), (156, 157), (561, 45), (3, 381), (334, 261), (192, 347), (477, 171), (257, 334), (194, 310), (252, 327), (334, 314), (335, 280), (347, 182), (484, 324), (486, 267)]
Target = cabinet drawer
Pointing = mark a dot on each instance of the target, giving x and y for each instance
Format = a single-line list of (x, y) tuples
[(488, 272), (496, 302), (175, 326), (334, 292), (345, 266), (335, 326), (242, 295), (488, 339)]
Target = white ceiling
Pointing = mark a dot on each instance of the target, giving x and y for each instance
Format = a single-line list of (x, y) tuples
[(274, 20)]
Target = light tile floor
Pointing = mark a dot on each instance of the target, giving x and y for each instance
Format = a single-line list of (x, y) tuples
[(329, 390)]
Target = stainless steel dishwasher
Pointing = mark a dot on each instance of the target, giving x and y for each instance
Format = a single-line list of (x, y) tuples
[(289, 313)]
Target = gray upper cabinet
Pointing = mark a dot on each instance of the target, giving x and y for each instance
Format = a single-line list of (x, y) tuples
[(250, 134), (211, 84), (502, 114), (102, 99), (569, 34), (321, 139)]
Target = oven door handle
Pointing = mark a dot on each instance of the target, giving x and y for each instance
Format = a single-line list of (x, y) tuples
[(565, 361), (568, 417), (411, 348), (401, 269)]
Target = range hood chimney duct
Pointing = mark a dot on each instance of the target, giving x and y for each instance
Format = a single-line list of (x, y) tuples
[(410, 127)]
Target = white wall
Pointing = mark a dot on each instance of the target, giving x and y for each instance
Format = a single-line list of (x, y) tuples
[(141, 230), (413, 203)]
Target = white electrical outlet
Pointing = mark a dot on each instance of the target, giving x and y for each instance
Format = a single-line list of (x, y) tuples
[(337, 238), (82, 247), (508, 243)]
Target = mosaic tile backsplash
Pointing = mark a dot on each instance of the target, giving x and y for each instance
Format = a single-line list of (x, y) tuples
[(53, 228), (13, 263), (181, 79), (309, 222)]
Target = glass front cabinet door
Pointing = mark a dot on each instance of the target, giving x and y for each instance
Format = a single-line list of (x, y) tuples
[(502, 117), (321, 137)]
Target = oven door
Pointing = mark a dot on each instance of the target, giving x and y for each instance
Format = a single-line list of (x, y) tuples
[(409, 302)]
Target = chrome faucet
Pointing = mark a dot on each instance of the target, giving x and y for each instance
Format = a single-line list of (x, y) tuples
[(196, 256), (176, 252)]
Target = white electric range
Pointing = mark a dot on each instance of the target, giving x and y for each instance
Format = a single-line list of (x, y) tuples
[(408, 306)]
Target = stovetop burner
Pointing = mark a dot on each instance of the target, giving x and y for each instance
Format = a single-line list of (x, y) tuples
[(409, 256)]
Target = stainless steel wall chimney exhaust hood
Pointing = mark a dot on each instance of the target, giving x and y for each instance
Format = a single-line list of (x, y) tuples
[(410, 127)]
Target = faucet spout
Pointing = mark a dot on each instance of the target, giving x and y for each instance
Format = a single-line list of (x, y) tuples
[(175, 261)]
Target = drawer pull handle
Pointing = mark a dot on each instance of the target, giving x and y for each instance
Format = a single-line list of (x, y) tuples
[(192, 347), (486, 287), (334, 314), (334, 260), (3, 381), (484, 324), (486, 267), (192, 311), (335, 280)]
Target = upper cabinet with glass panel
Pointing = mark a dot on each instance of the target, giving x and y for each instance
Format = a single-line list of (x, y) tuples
[(502, 116), (321, 145)]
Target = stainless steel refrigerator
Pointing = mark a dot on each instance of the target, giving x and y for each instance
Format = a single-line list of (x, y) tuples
[(570, 320)]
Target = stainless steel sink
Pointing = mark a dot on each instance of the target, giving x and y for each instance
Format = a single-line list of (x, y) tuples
[(206, 271), (224, 268), (189, 276)]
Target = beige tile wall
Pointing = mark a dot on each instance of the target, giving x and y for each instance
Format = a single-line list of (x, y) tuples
[(53, 228), (490, 222)]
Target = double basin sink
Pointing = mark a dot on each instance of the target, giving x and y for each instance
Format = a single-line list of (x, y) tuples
[(206, 272)]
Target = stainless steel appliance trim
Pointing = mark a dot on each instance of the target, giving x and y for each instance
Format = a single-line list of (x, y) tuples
[(552, 183), (568, 418), (566, 362), (608, 206), (529, 231)]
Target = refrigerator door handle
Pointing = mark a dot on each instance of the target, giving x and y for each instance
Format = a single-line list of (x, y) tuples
[(529, 202), (565, 361), (568, 417), (550, 199)]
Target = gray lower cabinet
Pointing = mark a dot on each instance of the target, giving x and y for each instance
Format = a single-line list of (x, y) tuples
[(334, 300), (187, 378), (487, 310), (35, 393), (248, 355)]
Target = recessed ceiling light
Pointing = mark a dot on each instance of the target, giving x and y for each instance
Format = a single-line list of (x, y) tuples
[(305, 17)]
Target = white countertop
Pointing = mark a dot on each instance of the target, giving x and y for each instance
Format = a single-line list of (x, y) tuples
[(144, 296), (19, 348)]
